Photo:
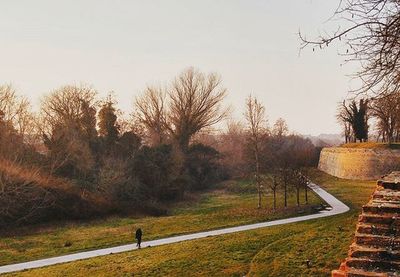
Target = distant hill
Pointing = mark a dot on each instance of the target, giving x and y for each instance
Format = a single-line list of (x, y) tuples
[(325, 140)]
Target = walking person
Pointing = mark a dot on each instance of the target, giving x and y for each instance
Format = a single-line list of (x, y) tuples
[(138, 237)]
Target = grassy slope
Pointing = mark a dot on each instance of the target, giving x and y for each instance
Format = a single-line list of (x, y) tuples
[(276, 251), (372, 145), (215, 209)]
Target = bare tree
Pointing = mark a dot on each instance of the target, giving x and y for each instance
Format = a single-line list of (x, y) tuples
[(345, 118), (272, 182), (16, 110), (387, 111), (370, 34), (232, 145), (255, 117), (65, 105), (280, 128), (192, 103), (300, 181), (69, 129), (195, 103), (294, 154), (151, 112)]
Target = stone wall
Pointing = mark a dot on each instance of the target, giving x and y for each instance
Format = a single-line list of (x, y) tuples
[(359, 163)]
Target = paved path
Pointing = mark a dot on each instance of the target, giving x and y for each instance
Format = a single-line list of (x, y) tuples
[(337, 207)]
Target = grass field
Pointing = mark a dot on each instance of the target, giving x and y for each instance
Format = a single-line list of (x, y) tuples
[(276, 251), (231, 203), (372, 145)]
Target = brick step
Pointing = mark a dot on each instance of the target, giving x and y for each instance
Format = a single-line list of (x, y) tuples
[(390, 219), (375, 241), (357, 251), (386, 194), (374, 266), (378, 229), (389, 185), (381, 208)]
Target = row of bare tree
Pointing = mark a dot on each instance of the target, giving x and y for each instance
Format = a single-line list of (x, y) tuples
[(280, 160)]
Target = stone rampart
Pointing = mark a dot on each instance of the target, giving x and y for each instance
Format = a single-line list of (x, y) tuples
[(359, 163)]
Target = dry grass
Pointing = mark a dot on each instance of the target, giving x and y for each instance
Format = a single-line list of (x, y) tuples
[(33, 174), (372, 145), (29, 195)]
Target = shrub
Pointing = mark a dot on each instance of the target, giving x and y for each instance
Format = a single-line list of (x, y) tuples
[(158, 173), (203, 167)]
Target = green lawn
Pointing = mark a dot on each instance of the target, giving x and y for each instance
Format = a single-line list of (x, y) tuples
[(276, 251), (232, 203)]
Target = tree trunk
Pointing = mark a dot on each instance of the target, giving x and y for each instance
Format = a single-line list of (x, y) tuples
[(298, 196), (258, 174), (183, 142), (306, 192), (274, 199), (285, 188), (259, 195)]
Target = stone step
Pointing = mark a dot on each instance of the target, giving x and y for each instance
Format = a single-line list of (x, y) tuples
[(376, 241), (385, 201), (357, 251), (374, 266), (389, 185), (390, 219), (381, 208), (386, 194), (375, 251), (378, 229)]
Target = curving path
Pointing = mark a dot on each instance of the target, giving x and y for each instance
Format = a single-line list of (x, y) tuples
[(337, 207)]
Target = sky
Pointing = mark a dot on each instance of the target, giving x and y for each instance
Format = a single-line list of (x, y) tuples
[(125, 45)]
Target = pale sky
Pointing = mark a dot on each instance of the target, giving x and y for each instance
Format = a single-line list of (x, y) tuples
[(124, 45)]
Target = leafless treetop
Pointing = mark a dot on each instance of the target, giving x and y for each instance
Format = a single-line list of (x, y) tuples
[(371, 35)]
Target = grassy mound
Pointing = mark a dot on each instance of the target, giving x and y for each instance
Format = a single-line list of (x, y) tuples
[(28, 195)]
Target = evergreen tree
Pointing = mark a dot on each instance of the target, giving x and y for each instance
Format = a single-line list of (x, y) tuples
[(360, 119), (356, 117), (108, 126)]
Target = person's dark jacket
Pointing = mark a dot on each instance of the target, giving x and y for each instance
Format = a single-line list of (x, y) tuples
[(138, 234)]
